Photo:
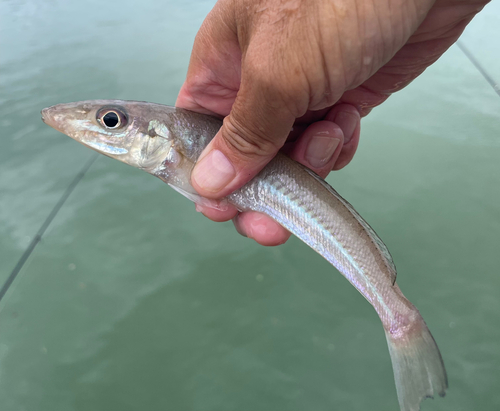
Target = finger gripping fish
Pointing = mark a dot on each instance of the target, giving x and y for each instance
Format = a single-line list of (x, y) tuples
[(167, 141)]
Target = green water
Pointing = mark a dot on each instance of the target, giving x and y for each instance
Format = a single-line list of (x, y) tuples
[(132, 301)]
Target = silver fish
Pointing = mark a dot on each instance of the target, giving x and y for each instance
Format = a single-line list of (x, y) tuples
[(166, 142)]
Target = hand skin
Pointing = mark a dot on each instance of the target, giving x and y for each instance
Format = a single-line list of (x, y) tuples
[(297, 75)]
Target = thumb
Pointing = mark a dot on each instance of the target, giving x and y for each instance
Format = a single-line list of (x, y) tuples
[(251, 135)]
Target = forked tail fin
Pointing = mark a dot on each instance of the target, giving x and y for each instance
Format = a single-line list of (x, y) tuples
[(418, 367)]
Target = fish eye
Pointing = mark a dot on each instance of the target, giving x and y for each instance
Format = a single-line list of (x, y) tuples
[(111, 118)]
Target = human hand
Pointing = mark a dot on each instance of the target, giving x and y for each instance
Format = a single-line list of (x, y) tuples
[(314, 66)]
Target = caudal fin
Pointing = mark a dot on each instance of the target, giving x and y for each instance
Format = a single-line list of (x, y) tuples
[(418, 367)]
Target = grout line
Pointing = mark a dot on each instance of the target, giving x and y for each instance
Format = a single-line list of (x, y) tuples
[(45, 225), (478, 65)]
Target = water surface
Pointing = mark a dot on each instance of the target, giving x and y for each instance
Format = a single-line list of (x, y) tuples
[(132, 301)]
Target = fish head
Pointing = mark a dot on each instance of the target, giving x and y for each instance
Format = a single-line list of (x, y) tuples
[(164, 141), (110, 127)]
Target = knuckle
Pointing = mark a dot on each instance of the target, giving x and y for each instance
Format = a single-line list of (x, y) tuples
[(250, 142), (281, 83)]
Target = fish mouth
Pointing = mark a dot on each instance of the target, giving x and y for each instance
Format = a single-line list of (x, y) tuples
[(48, 117), (56, 117), (44, 114)]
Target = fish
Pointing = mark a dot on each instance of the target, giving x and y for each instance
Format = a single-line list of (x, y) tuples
[(166, 142)]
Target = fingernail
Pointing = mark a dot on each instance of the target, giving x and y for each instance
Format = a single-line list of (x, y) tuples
[(213, 172), (320, 150), (347, 122)]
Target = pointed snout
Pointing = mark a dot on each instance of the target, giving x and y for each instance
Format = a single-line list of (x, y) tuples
[(60, 116), (52, 117), (47, 117)]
